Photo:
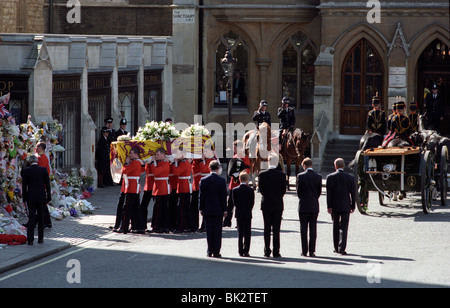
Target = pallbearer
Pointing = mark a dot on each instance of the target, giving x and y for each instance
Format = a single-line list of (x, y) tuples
[(160, 168), (200, 169), (131, 172), (182, 168), (147, 196)]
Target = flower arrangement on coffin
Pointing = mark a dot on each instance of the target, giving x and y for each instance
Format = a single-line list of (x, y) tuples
[(157, 131), (195, 130)]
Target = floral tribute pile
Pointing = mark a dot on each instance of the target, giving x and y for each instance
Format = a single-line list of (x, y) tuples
[(69, 191)]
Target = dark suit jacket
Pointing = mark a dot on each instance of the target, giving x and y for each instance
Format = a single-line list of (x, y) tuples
[(243, 198), (272, 186), (309, 188), (341, 191), (36, 185), (213, 195)]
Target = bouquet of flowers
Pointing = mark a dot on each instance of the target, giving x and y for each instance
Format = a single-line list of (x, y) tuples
[(157, 131), (195, 130)]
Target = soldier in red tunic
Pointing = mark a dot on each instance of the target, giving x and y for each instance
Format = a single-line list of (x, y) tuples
[(147, 196), (182, 168), (200, 169), (160, 168), (131, 172)]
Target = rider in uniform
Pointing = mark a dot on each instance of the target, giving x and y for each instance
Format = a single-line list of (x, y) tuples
[(376, 119), (261, 115), (413, 117), (286, 115), (401, 127)]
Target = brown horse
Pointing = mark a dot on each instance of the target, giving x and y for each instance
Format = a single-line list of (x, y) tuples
[(258, 151), (293, 150)]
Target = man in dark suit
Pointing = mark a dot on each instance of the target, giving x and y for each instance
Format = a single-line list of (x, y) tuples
[(36, 193), (434, 109), (340, 203), (213, 207), (243, 198), (272, 186), (309, 188)]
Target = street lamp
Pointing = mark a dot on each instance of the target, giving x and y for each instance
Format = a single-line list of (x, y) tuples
[(228, 64)]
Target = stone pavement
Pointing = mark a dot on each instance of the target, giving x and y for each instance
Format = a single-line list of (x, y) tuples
[(67, 232), (70, 231)]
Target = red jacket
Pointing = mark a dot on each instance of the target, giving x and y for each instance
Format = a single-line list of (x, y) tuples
[(200, 168), (131, 177), (183, 170), (149, 178), (161, 180), (43, 162), (246, 161)]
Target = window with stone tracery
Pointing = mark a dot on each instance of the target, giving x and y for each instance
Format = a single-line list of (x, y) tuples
[(297, 78)]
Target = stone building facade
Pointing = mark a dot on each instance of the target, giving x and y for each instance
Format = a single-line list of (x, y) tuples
[(81, 80)]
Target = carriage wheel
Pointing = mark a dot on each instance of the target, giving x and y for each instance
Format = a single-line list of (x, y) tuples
[(362, 195), (426, 178), (443, 179)]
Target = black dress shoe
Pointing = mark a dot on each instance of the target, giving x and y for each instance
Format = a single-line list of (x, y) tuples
[(276, 255), (343, 252), (217, 255), (312, 254), (40, 241), (209, 255)]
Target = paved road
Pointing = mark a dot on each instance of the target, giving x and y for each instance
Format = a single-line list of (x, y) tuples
[(394, 246)]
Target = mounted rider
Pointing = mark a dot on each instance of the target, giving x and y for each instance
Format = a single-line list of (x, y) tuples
[(376, 118), (286, 115), (262, 115), (401, 127), (413, 117)]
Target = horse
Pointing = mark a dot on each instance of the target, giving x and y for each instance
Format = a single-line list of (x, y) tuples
[(292, 149), (259, 151), (368, 140)]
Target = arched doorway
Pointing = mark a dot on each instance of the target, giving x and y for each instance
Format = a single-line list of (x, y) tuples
[(434, 68), (362, 77)]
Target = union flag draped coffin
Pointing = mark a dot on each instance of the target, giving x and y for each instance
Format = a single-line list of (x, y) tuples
[(192, 147)]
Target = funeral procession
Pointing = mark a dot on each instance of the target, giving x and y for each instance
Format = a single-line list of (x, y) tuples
[(226, 151)]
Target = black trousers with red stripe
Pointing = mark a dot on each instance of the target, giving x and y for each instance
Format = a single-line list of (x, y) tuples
[(131, 212), (184, 213), (160, 218)]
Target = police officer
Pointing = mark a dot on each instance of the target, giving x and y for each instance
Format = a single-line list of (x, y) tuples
[(102, 159), (413, 117), (122, 130), (261, 115), (112, 133), (286, 115), (434, 109), (376, 119)]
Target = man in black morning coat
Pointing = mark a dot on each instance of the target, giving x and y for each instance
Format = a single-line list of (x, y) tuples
[(340, 203), (272, 186), (213, 207), (309, 188), (36, 193)]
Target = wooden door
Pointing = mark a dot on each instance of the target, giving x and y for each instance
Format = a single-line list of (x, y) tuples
[(434, 68), (362, 77)]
